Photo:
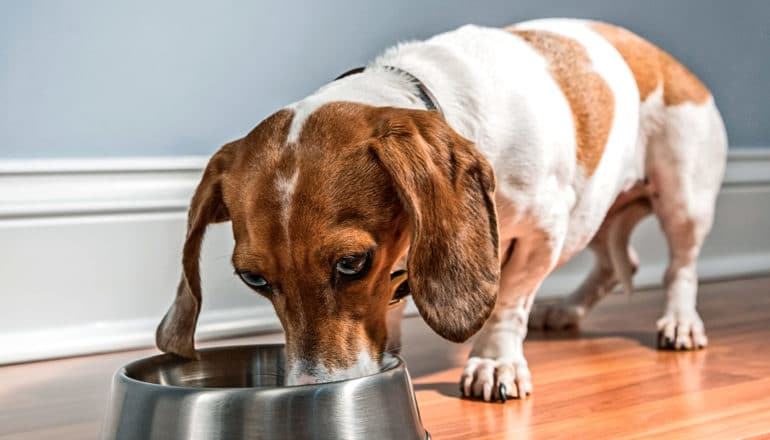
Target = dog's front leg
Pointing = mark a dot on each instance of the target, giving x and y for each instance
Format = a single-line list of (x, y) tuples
[(496, 367)]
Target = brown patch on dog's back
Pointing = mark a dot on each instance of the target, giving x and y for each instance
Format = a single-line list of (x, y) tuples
[(590, 98), (652, 66)]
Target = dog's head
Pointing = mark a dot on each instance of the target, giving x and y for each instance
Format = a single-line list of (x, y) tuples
[(320, 222)]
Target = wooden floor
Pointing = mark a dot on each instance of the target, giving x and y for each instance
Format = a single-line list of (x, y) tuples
[(606, 382)]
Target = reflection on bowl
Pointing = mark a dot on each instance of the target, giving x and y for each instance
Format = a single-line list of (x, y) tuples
[(239, 393)]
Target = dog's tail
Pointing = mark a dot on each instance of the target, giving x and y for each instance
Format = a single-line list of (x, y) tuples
[(622, 256)]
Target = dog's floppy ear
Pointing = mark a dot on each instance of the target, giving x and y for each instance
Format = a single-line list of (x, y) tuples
[(176, 332), (447, 189)]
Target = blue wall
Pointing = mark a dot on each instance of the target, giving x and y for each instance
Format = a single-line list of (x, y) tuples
[(89, 78)]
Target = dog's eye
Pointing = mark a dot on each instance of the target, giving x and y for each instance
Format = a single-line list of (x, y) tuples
[(255, 281), (351, 265)]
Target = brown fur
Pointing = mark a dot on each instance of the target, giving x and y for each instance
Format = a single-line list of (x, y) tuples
[(379, 179), (447, 190), (336, 210), (175, 333), (590, 98), (653, 66)]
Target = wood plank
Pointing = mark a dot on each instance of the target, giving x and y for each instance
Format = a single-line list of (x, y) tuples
[(606, 381)]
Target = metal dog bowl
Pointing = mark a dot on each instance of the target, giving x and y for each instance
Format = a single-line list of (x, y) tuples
[(238, 393)]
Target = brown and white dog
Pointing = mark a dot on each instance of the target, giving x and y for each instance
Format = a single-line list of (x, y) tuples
[(553, 135)]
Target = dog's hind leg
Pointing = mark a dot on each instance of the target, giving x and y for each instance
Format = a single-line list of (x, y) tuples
[(615, 264), (686, 166), (568, 312)]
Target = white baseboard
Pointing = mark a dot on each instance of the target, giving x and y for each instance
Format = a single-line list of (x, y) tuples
[(90, 252), (106, 336)]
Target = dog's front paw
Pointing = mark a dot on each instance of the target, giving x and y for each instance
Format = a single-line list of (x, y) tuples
[(681, 330), (491, 379), (558, 315)]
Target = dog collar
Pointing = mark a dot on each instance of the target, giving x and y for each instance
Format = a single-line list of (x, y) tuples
[(423, 92)]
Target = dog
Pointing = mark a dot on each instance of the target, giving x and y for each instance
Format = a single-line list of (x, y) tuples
[(470, 165)]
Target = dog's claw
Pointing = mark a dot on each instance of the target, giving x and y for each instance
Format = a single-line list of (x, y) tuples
[(665, 342), (503, 392), (494, 380), (681, 331)]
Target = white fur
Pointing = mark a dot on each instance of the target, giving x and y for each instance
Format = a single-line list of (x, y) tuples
[(301, 373), (690, 155), (497, 91), (285, 188), (598, 193), (377, 88)]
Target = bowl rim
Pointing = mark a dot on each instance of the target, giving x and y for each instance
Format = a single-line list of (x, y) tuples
[(122, 373)]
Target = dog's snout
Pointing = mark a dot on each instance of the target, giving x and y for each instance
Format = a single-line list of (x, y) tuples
[(303, 372), (302, 379)]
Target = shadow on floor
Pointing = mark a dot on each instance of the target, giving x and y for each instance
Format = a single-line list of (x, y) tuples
[(647, 339), (448, 389)]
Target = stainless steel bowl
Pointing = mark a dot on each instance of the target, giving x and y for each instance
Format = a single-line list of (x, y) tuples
[(238, 393)]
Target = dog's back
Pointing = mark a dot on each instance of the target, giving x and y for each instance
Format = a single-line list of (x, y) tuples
[(568, 110)]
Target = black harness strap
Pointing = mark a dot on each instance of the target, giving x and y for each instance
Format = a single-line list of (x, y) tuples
[(423, 92)]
